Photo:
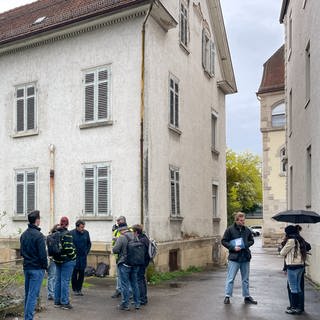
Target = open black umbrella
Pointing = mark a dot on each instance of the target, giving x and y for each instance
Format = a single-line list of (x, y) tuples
[(297, 216)]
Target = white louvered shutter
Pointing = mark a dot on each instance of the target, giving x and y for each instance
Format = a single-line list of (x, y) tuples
[(19, 193), (31, 192), (89, 191), (20, 110), (177, 192), (30, 108), (89, 96), (176, 105), (171, 98), (172, 193), (103, 94), (103, 190), (204, 49)]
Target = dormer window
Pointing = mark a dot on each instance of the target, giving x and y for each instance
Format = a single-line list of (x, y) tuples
[(39, 20)]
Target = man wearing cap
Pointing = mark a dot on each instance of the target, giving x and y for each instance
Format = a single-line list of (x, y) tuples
[(33, 251), (115, 235), (128, 274)]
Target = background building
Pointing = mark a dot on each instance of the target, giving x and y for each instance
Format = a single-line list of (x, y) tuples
[(117, 108), (274, 163), (302, 65)]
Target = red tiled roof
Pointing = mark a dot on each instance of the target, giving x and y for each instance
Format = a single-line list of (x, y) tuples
[(273, 73), (19, 23)]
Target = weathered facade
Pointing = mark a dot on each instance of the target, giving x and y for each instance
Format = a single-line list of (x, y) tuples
[(300, 19), (272, 126), (117, 108)]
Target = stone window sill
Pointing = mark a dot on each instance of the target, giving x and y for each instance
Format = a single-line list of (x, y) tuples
[(19, 218), (184, 48), (97, 218), (96, 124), (174, 129), (25, 134), (176, 218)]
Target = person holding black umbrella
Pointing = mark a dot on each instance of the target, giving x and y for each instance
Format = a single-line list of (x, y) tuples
[(295, 253)]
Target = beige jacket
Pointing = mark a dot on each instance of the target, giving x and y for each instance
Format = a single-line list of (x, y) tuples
[(288, 252)]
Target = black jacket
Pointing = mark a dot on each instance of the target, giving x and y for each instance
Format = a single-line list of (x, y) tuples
[(33, 249), (82, 243), (234, 232)]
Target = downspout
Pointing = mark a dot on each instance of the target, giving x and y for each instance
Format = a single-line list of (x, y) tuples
[(142, 110), (52, 149)]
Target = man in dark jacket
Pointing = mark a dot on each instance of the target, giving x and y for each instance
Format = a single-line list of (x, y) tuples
[(237, 239), (142, 282), (33, 251), (82, 242)]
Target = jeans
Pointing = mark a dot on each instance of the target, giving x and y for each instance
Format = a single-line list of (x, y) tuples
[(32, 286), (118, 285), (51, 278), (128, 276), (294, 279), (233, 268), (142, 283), (63, 276), (77, 279)]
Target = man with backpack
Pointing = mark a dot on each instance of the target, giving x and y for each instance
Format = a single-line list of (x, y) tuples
[(142, 282), (82, 242), (130, 255)]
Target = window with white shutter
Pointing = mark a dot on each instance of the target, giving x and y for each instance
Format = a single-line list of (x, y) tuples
[(25, 108), (208, 53), (97, 178), (174, 101), (214, 201), (184, 23), (175, 191), (97, 91), (25, 181)]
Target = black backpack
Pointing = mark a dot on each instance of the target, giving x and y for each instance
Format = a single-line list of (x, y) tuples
[(102, 270), (54, 243), (135, 252)]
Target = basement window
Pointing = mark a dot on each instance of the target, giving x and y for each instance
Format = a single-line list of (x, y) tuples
[(39, 20)]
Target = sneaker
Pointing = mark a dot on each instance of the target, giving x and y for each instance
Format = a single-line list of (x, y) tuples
[(293, 311), (122, 307), (80, 293), (116, 294), (66, 306), (50, 298), (137, 307), (226, 300), (57, 305), (250, 300)]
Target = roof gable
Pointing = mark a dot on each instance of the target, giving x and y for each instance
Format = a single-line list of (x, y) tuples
[(19, 23)]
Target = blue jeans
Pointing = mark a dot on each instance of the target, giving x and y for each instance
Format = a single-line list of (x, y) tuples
[(294, 279), (233, 268), (142, 283), (63, 276), (32, 284), (51, 278), (128, 277)]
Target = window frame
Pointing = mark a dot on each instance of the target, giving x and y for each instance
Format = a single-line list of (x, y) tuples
[(174, 114), (96, 82), (25, 99), (215, 199), (184, 24), (95, 200), (25, 184), (175, 192), (214, 131), (208, 53), (278, 115)]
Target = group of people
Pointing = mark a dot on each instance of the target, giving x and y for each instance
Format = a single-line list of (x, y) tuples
[(130, 277), (67, 264), (238, 239)]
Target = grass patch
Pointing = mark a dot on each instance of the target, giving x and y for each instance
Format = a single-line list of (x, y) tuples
[(159, 277)]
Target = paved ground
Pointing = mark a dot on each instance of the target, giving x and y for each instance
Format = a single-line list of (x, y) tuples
[(198, 297)]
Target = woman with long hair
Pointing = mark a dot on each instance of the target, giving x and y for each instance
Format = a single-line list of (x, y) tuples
[(295, 252)]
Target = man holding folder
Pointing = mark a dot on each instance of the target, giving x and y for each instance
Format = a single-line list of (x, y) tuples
[(237, 239)]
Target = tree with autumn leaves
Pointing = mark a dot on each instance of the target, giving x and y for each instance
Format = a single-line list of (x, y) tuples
[(244, 184)]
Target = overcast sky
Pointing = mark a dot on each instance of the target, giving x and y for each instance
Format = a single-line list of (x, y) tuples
[(254, 34)]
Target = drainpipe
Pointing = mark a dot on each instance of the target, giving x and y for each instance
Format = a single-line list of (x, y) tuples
[(52, 150), (142, 110)]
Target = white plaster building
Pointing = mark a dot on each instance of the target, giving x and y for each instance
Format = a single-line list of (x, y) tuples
[(274, 164), (302, 45), (117, 108)]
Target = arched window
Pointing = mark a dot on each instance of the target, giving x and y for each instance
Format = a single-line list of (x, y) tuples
[(278, 116)]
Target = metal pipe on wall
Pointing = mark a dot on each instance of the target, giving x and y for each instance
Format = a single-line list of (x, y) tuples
[(52, 150)]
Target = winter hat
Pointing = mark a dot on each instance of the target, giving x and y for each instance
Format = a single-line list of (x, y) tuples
[(290, 230), (64, 222), (122, 226)]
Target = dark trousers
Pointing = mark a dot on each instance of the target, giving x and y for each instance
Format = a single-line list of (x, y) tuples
[(77, 279), (142, 283)]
